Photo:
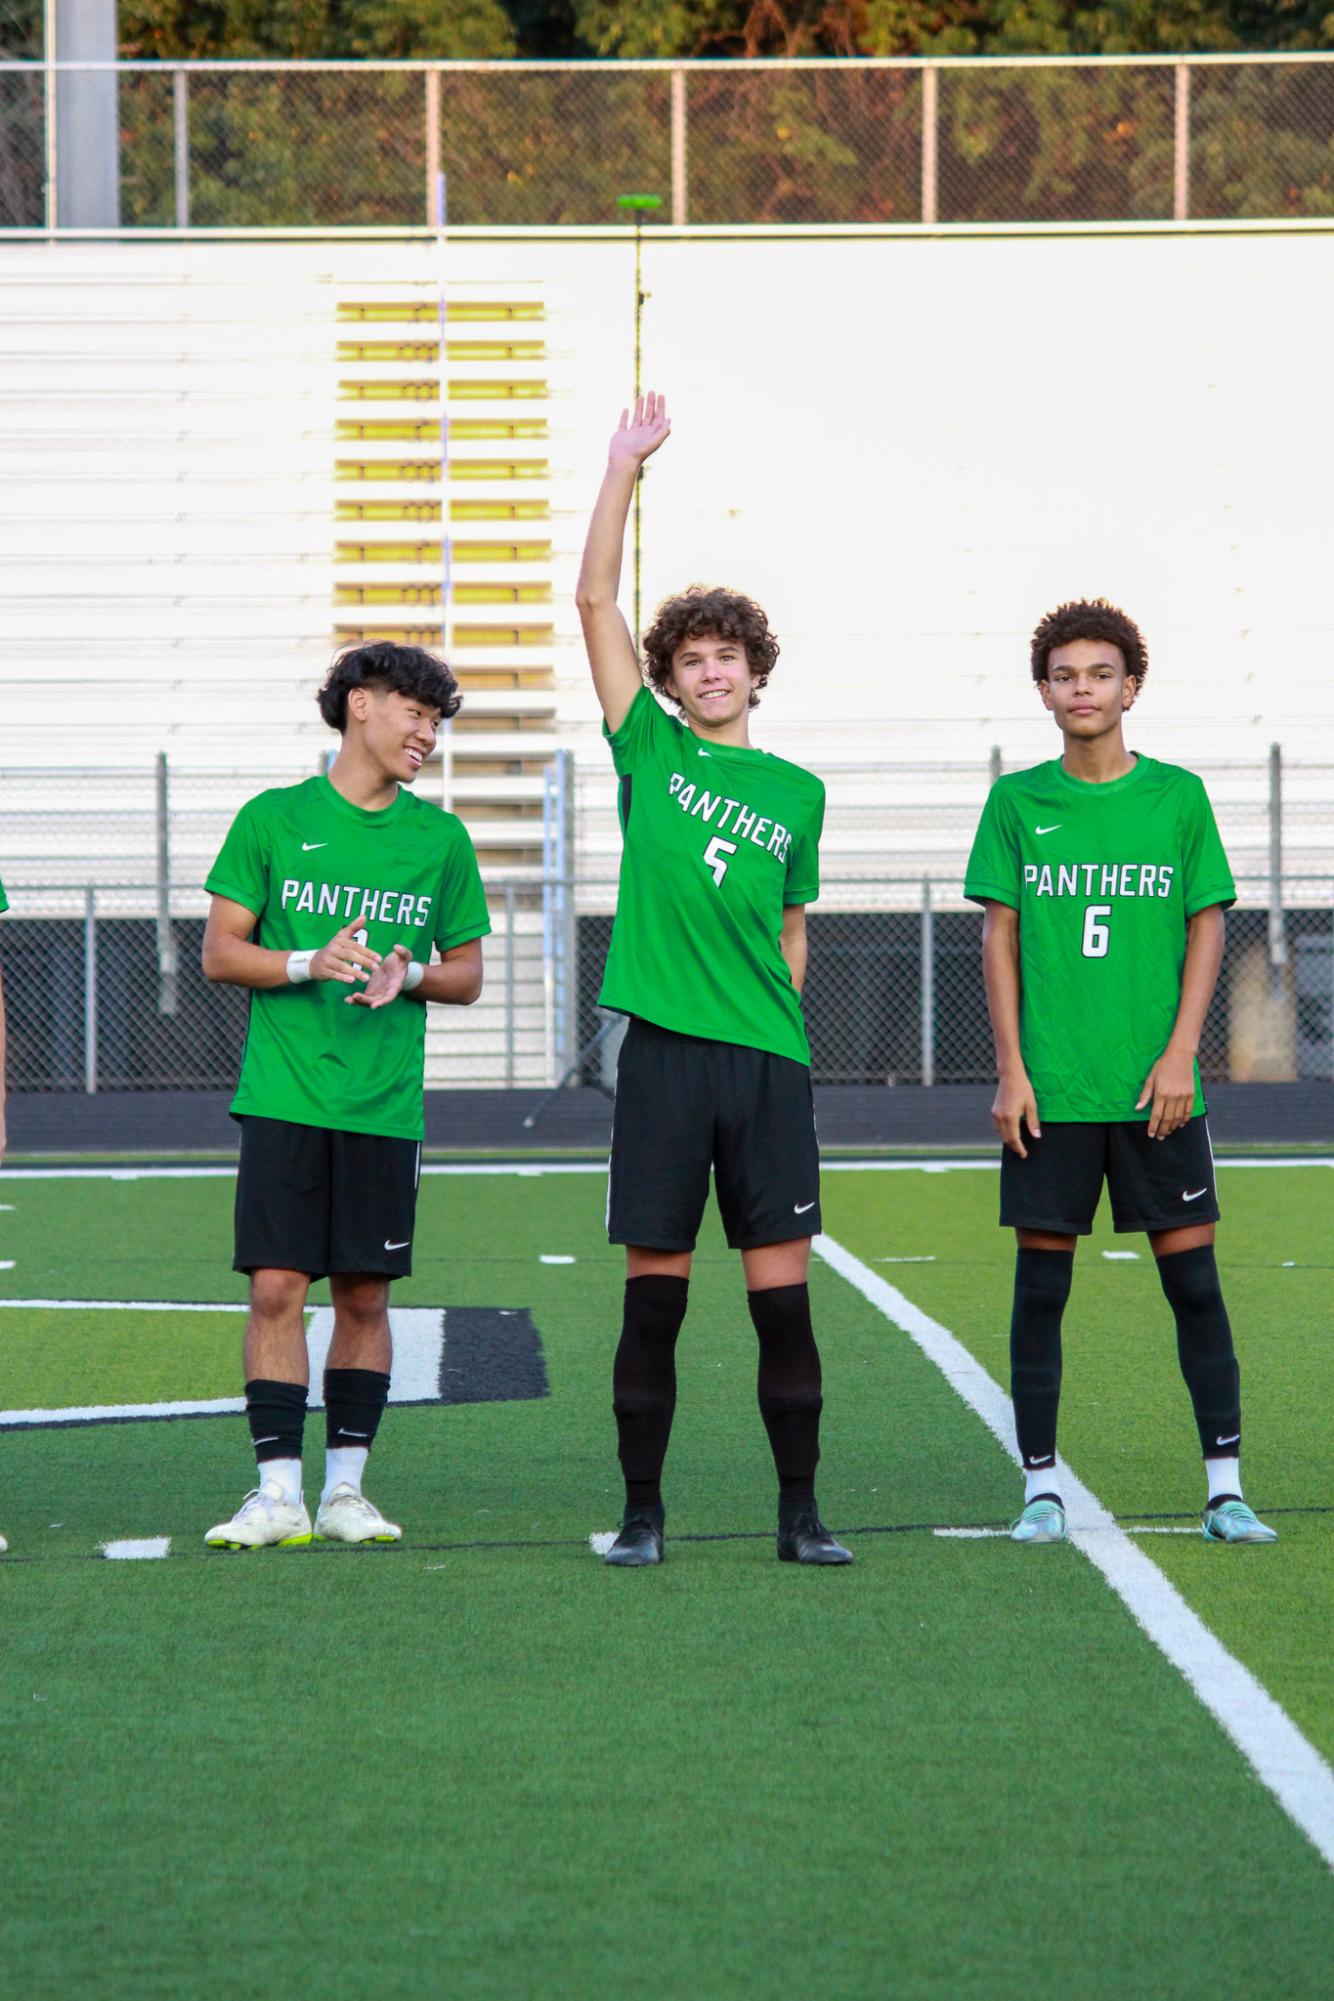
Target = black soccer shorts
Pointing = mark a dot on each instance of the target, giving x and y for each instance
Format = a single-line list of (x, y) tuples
[(1154, 1184), (309, 1199), (685, 1105)]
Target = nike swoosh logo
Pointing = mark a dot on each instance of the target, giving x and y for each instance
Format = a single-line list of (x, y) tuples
[(1194, 1194), (1049, 830), (800, 1208), (1234, 1440), (704, 753), (1048, 1461), (397, 1247), (306, 846)]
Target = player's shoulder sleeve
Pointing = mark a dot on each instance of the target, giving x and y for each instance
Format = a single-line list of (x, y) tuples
[(646, 729), (4, 900), (241, 871), (1206, 876), (803, 859), (461, 912), (995, 871)]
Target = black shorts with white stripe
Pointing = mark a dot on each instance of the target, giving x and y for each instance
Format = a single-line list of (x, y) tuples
[(1154, 1184), (685, 1105), (315, 1200)]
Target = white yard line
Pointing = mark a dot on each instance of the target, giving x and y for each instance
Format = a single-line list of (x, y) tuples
[(1267, 1738), (535, 1169)]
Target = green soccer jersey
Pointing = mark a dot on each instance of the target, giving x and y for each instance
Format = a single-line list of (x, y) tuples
[(1104, 878), (306, 860), (718, 839), (4, 900)]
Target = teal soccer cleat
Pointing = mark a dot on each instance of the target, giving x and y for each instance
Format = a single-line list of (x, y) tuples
[(1043, 1520), (1233, 1521)]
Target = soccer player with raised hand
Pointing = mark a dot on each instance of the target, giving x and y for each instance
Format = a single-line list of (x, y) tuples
[(1104, 884), (328, 898), (707, 958)]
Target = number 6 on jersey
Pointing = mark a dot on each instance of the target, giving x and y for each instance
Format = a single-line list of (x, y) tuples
[(715, 857), (1095, 934)]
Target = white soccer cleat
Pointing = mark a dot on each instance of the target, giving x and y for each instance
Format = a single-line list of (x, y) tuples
[(3, 1545), (347, 1516), (264, 1520)]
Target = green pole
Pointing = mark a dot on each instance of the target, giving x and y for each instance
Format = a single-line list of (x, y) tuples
[(638, 206)]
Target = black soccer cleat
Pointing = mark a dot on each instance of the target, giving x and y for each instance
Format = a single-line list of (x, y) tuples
[(639, 1540), (803, 1537)]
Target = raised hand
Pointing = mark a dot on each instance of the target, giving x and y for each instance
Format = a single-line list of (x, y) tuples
[(385, 982), (346, 957), (639, 434)]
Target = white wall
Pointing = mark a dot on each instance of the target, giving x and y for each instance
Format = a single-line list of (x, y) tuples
[(906, 448)]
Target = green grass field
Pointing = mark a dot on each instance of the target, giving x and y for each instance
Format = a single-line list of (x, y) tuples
[(483, 1765)]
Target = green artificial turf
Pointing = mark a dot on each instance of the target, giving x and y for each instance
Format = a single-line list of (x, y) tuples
[(1126, 1423), (484, 1765)]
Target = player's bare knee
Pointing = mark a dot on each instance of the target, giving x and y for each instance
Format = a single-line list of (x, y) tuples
[(276, 1295)]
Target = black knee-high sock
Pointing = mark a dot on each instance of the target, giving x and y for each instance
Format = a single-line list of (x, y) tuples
[(1204, 1346), (1041, 1288), (354, 1401), (277, 1414), (789, 1385), (643, 1382)]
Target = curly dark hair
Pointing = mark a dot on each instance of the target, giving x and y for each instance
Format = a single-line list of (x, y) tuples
[(399, 670), (704, 609), (1089, 618)]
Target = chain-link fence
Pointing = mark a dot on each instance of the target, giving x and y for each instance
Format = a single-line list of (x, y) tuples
[(219, 145), (106, 993), (105, 871)]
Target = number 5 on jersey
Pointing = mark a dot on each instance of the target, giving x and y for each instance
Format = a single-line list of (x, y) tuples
[(715, 857)]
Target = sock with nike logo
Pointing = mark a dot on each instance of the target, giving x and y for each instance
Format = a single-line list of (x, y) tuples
[(1041, 1287), (354, 1401), (789, 1385), (1204, 1347), (277, 1416)]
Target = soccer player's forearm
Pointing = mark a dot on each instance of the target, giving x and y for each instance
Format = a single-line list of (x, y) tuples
[(452, 982), (1000, 971), (600, 570), (1204, 957), (235, 962)]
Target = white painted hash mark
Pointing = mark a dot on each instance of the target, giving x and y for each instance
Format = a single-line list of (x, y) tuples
[(553, 1258), (138, 1550), (1122, 1257), (970, 1535), (601, 1541), (1273, 1746)]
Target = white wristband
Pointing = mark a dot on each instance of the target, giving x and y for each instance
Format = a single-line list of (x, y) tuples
[(298, 967), (414, 976)]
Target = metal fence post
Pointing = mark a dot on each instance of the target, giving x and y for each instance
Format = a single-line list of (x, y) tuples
[(180, 110), (434, 203), (928, 947), (166, 942), (90, 990), (930, 155), (679, 142), (1181, 146), (50, 139), (1278, 944), (509, 986), (995, 764)]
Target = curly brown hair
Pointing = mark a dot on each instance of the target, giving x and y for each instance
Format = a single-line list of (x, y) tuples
[(705, 609), (1089, 618)]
